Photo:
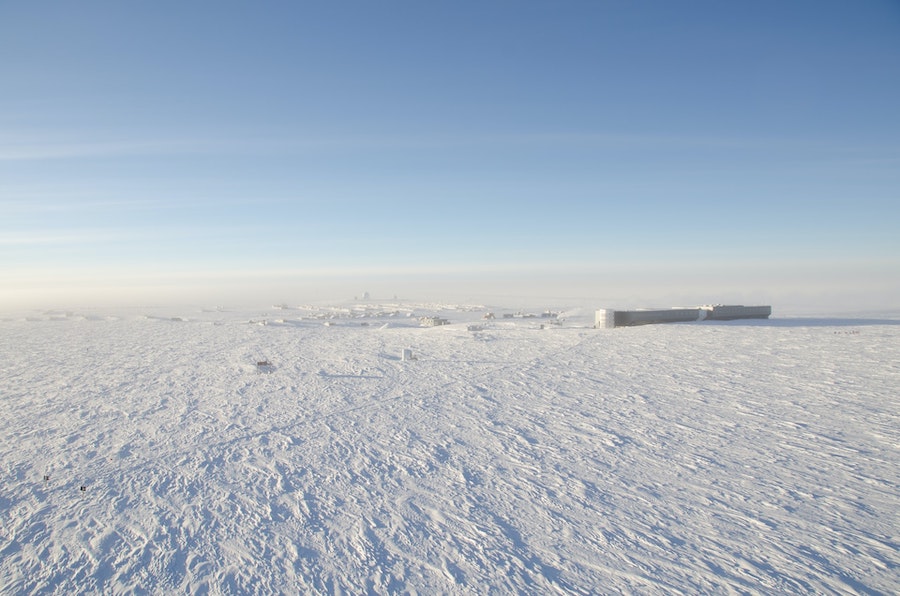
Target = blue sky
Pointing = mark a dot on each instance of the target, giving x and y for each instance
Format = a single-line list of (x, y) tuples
[(620, 150)]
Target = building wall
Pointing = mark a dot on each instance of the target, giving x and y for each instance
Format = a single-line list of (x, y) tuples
[(628, 318), (606, 318), (723, 312)]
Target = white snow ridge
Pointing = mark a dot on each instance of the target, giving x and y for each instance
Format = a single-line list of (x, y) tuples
[(154, 454)]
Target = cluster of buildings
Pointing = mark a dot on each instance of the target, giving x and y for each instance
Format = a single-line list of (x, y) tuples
[(608, 318)]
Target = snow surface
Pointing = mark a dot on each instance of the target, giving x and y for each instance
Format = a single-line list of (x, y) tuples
[(750, 457)]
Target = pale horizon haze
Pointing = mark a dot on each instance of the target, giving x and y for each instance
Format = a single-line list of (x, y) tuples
[(627, 154)]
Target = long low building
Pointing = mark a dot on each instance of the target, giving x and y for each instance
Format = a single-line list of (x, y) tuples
[(607, 318)]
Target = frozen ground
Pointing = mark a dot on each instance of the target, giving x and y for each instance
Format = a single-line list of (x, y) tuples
[(746, 457)]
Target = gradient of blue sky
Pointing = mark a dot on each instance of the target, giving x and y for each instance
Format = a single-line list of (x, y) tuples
[(622, 149)]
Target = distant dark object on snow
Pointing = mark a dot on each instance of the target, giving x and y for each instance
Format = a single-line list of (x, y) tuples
[(606, 318)]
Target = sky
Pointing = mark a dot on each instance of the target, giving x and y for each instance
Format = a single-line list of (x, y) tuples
[(628, 153)]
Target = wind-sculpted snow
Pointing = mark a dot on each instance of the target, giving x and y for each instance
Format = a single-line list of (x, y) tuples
[(745, 458)]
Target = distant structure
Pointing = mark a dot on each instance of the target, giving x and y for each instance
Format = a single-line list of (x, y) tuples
[(433, 321), (607, 319)]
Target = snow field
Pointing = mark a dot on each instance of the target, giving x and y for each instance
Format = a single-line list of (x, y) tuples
[(750, 457)]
